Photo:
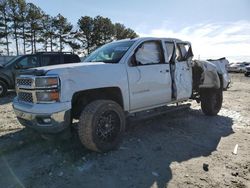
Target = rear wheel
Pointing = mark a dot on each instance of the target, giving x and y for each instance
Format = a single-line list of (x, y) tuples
[(211, 101), (247, 74), (101, 125), (3, 88)]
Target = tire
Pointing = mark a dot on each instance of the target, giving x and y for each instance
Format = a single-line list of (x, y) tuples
[(247, 74), (101, 125), (3, 88), (211, 101)]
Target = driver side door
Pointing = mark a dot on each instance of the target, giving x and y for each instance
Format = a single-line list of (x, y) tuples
[(149, 77)]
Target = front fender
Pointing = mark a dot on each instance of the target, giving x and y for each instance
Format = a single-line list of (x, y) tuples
[(210, 77), (93, 77), (6, 79)]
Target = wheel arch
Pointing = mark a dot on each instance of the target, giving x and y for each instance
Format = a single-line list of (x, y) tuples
[(81, 98), (5, 81)]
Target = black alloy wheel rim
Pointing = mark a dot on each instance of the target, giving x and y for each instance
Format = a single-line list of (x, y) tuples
[(108, 126)]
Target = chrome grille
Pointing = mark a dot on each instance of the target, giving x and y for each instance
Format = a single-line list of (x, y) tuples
[(25, 97), (27, 82)]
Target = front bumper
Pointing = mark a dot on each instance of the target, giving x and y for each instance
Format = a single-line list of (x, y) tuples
[(58, 121)]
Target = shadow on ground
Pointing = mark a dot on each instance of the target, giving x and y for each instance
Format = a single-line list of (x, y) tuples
[(143, 160)]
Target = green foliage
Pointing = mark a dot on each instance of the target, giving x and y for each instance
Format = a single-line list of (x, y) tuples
[(121, 32), (95, 32), (4, 26), (63, 29), (32, 30)]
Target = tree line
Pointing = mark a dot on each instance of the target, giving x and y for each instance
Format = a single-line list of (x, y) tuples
[(30, 30)]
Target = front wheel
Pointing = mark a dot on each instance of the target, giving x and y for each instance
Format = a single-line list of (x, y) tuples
[(101, 125), (3, 89), (211, 101)]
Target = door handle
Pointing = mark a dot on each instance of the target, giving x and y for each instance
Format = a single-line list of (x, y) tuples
[(164, 71)]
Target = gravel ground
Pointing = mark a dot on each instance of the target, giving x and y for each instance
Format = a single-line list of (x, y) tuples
[(184, 149)]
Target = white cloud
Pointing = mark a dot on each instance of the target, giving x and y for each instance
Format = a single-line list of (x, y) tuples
[(212, 40)]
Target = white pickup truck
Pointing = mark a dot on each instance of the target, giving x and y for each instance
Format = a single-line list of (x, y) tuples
[(115, 81)]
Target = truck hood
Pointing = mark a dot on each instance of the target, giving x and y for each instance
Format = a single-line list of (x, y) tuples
[(69, 66), (42, 71), (87, 75)]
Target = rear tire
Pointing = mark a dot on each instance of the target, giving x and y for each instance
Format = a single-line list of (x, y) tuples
[(247, 74), (211, 101), (3, 88), (101, 125)]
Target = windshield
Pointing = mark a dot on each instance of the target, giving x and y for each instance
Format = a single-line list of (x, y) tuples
[(9, 62), (110, 53)]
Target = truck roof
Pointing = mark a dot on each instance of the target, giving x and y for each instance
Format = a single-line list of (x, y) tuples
[(153, 38)]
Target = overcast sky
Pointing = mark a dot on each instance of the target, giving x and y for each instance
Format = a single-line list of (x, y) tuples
[(215, 27)]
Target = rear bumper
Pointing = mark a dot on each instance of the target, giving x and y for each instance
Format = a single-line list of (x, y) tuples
[(53, 122)]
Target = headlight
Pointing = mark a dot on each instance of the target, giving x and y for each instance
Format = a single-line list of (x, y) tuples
[(47, 96), (47, 82)]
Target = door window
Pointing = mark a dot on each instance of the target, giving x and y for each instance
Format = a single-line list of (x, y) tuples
[(28, 62), (71, 59), (149, 53), (170, 50), (51, 60), (183, 52)]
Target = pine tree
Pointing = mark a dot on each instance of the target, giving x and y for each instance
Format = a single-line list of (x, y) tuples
[(4, 25), (121, 32), (14, 16), (34, 16), (85, 32), (103, 31), (23, 22), (63, 30)]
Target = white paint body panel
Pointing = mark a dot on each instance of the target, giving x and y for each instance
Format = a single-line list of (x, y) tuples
[(84, 76), (221, 65), (149, 86), (183, 79), (142, 87)]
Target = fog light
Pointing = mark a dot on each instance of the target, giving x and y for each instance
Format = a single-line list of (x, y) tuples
[(47, 120), (44, 120)]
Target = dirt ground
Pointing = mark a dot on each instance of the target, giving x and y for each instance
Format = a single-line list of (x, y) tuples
[(184, 149)]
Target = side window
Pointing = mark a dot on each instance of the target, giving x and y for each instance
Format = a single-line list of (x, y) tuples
[(178, 53), (71, 59), (67, 59), (50, 60), (76, 59), (183, 52), (149, 53), (170, 50), (28, 62)]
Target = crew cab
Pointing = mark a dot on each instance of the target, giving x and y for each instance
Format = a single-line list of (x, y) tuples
[(117, 80), (10, 69)]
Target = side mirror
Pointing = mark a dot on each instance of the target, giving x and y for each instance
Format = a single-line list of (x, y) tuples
[(133, 61), (17, 66)]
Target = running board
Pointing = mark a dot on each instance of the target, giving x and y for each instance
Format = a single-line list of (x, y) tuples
[(156, 112)]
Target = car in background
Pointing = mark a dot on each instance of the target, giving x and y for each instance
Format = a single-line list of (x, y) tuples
[(238, 67), (9, 70), (247, 73)]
